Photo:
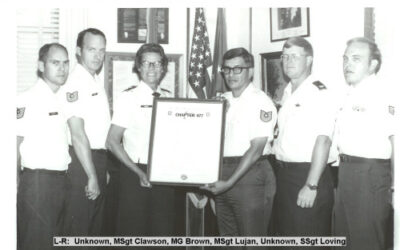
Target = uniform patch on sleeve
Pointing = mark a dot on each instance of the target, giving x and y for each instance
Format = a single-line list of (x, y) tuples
[(20, 112), (391, 110), (72, 97), (265, 116)]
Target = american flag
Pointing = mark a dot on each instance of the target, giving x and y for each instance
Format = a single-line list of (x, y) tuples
[(200, 56)]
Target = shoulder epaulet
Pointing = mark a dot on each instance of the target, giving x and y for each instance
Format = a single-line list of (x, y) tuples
[(130, 88), (319, 85), (165, 90)]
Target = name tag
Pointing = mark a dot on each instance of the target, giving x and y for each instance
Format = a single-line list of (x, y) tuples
[(53, 113), (94, 94)]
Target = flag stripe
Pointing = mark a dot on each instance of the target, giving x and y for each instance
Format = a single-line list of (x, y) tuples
[(218, 83), (200, 55)]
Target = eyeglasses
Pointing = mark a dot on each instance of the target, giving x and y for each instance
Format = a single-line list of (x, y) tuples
[(156, 64), (294, 57), (236, 70)]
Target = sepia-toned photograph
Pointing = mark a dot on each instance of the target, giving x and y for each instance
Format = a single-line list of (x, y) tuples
[(171, 126)]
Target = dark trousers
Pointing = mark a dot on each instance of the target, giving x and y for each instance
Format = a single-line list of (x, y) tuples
[(293, 220), (40, 203), (111, 197), (144, 211), (362, 209), (245, 209), (84, 217)]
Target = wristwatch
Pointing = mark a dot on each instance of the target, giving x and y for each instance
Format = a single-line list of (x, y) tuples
[(312, 187)]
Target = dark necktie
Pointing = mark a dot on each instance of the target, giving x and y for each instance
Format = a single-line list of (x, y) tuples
[(156, 94)]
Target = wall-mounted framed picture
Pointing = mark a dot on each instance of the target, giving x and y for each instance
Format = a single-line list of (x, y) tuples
[(274, 80), (135, 24), (118, 74), (289, 22)]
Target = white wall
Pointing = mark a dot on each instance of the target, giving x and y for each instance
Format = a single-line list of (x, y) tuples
[(330, 28), (328, 35), (388, 40), (106, 19)]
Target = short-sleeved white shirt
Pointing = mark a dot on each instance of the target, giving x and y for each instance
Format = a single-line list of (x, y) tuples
[(85, 97), (305, 114), (249, 116), (132, 111), (42, 123), (366, 121)]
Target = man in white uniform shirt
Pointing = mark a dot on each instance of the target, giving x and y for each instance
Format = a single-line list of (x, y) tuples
[(304, 197), (245, 194), (42, 149), (365, 136), (144, 209), (89, 120)]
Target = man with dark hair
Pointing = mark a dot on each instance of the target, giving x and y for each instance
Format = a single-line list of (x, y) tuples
[(304, 196), (89, 119), (363, 202), (245, 194), (42, 150), (144, 210)]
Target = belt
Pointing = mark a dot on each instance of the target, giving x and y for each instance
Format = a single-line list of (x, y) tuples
[(141, 165), (44, 171), (102, 151), (356, 159), (236, 159)]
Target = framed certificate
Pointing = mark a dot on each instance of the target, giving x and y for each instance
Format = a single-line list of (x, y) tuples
[(186, 141)]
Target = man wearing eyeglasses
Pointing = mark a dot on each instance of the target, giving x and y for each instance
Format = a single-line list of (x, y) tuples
[(144, 209), (245, 194), (304, 196)]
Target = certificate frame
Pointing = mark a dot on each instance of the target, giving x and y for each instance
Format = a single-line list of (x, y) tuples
[(186, 141)]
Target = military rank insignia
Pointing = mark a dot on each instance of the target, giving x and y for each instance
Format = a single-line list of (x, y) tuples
[(72, 97), (265, 116), (20, 113), (319, 85), (391, 110)]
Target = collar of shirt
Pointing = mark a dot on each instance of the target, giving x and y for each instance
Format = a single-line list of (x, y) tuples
[(303, 89), (146, 90), (43, 87), (365, 86), (79, 67), (245, 93)]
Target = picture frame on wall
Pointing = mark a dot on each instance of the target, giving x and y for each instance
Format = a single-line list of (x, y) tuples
[(135, 24), (118, 75), (274, 80), (289, 22)]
